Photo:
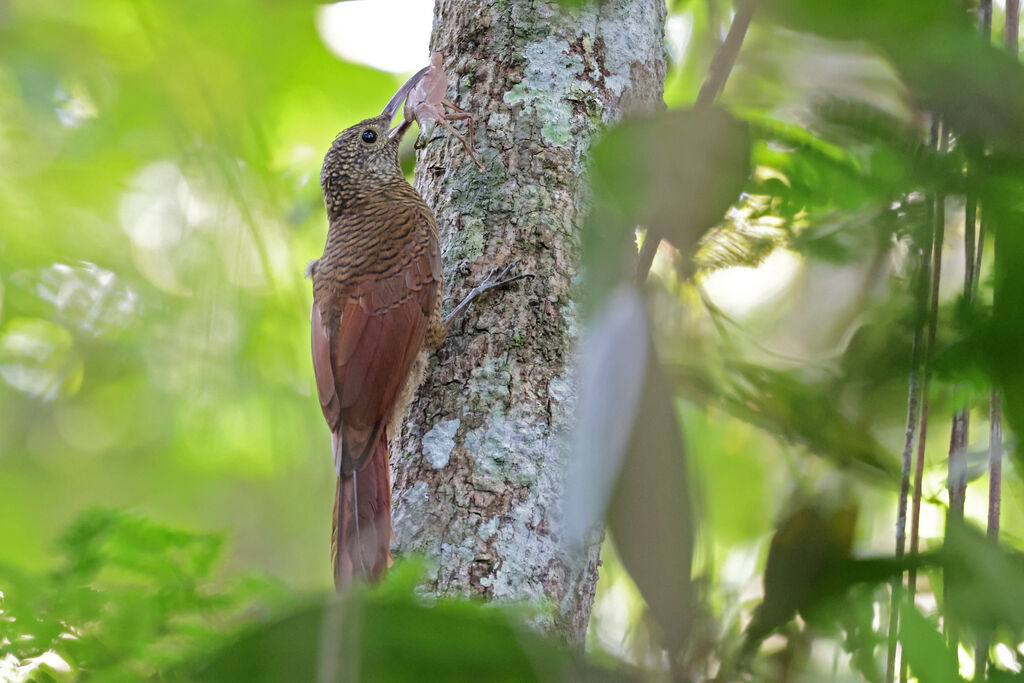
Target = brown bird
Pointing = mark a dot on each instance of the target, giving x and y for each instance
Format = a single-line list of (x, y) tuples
[(376, 303)]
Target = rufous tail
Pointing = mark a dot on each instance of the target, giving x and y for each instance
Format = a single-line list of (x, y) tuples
[(361, 526)]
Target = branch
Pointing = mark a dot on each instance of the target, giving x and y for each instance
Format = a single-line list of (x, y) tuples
[(995, 413), (718, 74), (725, 56), (938, 217), (913, 404), (957, 463)]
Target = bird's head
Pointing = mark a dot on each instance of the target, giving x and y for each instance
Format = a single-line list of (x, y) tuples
[(366, 153)]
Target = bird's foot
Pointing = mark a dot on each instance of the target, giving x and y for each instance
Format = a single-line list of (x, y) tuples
[(498, 277)]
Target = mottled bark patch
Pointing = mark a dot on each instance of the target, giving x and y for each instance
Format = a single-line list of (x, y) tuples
[(439, 443)]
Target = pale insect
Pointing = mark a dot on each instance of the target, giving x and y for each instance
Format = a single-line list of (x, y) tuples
[(427, 102)]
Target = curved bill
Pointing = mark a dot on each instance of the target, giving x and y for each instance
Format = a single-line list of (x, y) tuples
[(399, 130), (391, 108), (396, 100)]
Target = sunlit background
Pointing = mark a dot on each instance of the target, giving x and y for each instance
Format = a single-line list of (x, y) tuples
[(158, 178)]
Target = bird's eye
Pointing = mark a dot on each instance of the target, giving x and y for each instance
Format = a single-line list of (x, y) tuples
[(369, 136)]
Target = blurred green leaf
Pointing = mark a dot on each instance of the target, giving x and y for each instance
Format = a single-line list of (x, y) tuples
[(807, 172), (1003, 339), (925, 649), (981, 575), (611, 396), (675, 172), (651, 517), (794, 410), (158, 177), (980, 91), (392, 638), (810, 543), (132, 597), (37, 357), (629, 465)]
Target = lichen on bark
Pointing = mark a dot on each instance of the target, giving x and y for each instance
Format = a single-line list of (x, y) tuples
[(479, 461)]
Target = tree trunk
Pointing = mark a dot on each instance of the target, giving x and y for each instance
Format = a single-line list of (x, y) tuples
[(479, 462)]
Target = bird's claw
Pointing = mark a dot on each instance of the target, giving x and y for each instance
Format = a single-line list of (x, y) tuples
[(498, 277)]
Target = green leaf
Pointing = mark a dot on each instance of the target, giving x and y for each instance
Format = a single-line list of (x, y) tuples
[(981, 574), (675, 172), (610, 397), (810, 543), (389, 638), (925, 650), (136, 596), (797, 411), (980, 91), (1003, 340), (628, 462), (651, 518)]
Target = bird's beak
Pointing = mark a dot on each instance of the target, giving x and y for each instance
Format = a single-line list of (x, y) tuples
[(398, 131), (393, 105)]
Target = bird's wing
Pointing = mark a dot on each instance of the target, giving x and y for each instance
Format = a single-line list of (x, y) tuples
[(363, 356)]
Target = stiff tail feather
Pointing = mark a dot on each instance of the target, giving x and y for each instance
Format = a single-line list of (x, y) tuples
[(361, 526)]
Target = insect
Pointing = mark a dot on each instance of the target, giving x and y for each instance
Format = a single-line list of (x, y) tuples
[(426, 102)]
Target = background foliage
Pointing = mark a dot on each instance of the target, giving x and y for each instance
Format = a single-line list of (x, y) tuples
[(158, 180)]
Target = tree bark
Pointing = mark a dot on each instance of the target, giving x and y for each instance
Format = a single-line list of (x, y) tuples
[(479, 460)]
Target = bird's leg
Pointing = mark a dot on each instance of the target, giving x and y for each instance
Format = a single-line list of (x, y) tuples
[(460, 114), (494, 279)]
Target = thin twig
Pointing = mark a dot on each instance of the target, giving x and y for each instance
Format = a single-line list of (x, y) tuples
[(995, 462), (995, 412), (913, 399), (938, 217), (718, 74), (956, 486), (920, 283), (995, 441), (971, 268), (645, 259), (725, 56), (959, 436), (956, 473), (978, 251), (995, 483), (981, 646)]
